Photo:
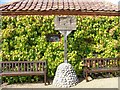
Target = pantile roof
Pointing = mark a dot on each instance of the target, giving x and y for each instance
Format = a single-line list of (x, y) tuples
[(59, 7)]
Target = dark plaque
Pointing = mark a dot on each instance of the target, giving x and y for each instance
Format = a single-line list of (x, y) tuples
[(53, 38)]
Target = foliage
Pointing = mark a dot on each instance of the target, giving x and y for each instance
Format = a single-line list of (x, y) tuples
[(24, 38)]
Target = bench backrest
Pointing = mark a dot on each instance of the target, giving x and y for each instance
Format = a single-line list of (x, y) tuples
[(22, 66), (101, 62)]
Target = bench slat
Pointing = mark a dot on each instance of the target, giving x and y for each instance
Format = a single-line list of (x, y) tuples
[(22, 66)]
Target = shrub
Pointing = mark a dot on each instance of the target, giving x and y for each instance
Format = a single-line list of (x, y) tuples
[(24, 38)]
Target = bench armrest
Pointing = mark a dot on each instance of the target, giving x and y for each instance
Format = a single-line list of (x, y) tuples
[(86, 68)]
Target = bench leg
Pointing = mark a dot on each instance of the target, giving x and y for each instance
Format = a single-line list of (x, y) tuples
[(45, 79), (86, 76), (1, 82)]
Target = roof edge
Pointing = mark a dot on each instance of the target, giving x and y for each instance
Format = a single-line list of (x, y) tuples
[(60, 12)]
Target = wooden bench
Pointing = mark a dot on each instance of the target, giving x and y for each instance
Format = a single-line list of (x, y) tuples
[(23, 68), (98, 65)]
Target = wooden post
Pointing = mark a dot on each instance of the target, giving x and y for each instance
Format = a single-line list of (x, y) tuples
[(65, 47)]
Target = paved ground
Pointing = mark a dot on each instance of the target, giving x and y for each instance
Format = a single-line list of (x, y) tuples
[(96, 83)]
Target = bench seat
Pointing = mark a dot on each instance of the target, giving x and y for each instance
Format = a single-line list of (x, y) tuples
[(104, 70), (21, 73)]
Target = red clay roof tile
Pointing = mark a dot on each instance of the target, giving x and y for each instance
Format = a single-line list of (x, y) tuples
[(46, 5)]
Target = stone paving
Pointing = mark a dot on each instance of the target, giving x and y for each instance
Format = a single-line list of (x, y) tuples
[(96, 83)]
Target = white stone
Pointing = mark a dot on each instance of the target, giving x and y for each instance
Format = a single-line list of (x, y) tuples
[(65, 76)]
